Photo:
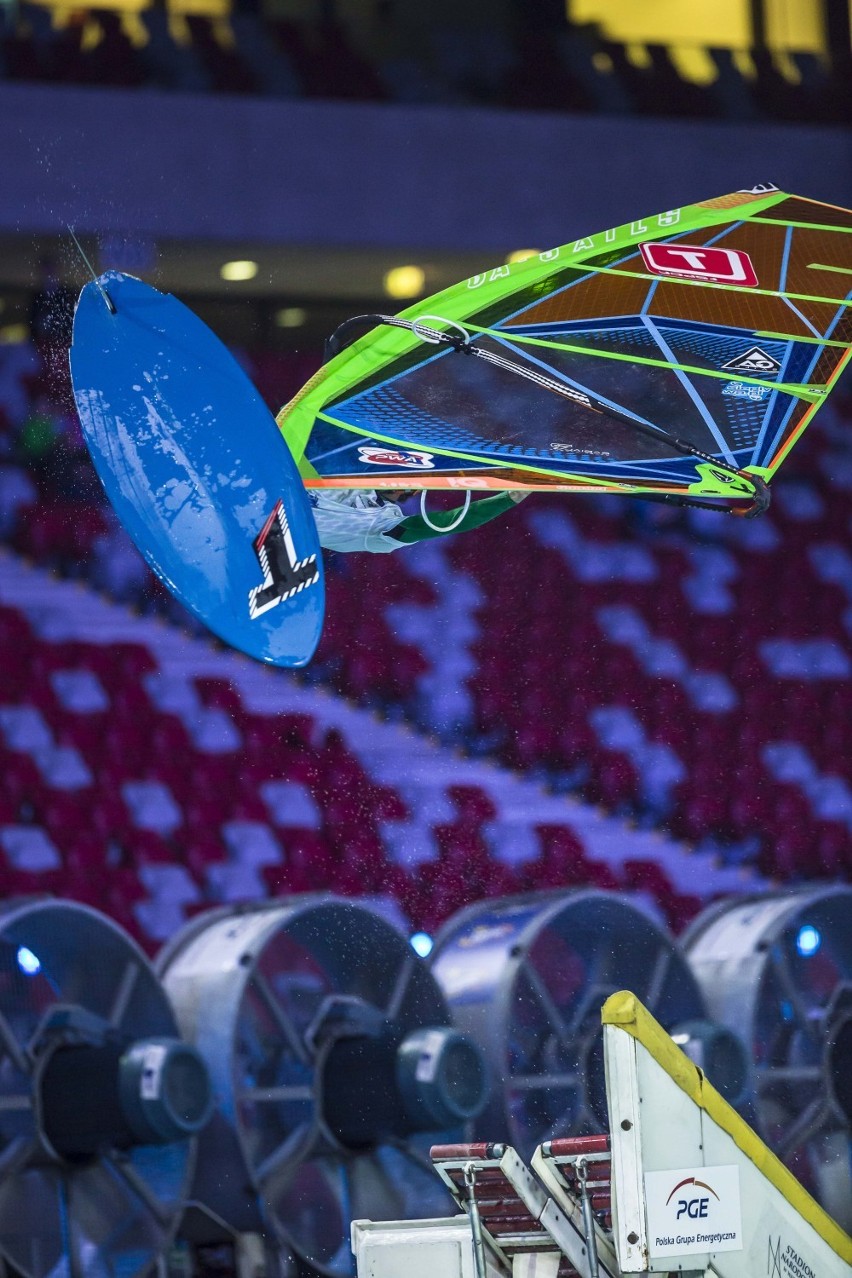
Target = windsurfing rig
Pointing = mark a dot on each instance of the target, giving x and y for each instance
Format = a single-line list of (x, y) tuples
[(460, 341), (676, 358)]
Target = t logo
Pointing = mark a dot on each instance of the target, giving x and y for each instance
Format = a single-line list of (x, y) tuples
[(283, 574), (712, 264)]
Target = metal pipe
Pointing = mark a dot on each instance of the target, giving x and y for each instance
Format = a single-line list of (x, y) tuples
[(475, 1222), (588, 1216)]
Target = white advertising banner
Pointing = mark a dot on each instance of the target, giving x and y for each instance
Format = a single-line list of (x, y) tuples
[(693, 1210)]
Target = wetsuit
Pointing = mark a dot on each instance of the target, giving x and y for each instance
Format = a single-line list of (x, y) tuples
[(357, 519)]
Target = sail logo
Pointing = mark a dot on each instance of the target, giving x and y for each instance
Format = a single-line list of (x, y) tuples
[(412, 459), (754, 360), (743, 390), (587, 244), (710, 264)]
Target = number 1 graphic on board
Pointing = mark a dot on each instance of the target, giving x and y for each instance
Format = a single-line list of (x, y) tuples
[(284, 575)]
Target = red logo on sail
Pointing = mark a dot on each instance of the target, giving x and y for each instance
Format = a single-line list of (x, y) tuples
[(412, 458), (712, 264)]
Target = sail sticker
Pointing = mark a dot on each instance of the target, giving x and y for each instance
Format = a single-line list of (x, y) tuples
[(284, 574), (711, 265), (378, 456), (599, 454), (754, 361), (742, 390)]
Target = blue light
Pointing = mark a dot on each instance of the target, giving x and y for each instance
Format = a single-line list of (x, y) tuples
[(27, 961), (808, 940), (421, 943)]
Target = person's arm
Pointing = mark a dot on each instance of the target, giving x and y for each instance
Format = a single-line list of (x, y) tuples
[(414, 528)]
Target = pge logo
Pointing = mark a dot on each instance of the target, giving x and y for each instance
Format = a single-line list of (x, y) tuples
[(690, 1216), (693, 1207), (712, 264), (411, 459)]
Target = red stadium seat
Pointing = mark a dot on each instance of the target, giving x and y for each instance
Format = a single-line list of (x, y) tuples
[(647, 876)]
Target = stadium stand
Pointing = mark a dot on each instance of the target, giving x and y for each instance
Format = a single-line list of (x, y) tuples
[(686, 673), (154, 774), (533, 61)]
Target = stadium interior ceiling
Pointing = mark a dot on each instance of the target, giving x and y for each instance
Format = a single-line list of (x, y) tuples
[(286, 296), (734, 59)]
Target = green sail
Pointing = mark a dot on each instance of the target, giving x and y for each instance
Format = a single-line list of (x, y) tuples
[(680, 354)]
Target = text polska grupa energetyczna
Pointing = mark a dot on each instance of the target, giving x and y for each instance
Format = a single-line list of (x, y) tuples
[(689, 1240)]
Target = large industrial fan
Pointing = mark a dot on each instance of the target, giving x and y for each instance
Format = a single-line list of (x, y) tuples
[(526, 977), (779, 968), (330, 1047), (99, 1098)]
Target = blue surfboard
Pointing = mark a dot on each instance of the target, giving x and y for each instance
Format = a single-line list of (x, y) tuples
[(197, 470)]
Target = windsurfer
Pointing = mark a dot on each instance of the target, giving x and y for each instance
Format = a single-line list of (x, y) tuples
[(361, 519)]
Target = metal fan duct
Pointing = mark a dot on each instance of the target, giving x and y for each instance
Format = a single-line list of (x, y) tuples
[(526, 977), (331, 1049), (778, 969), (99, 1099)]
